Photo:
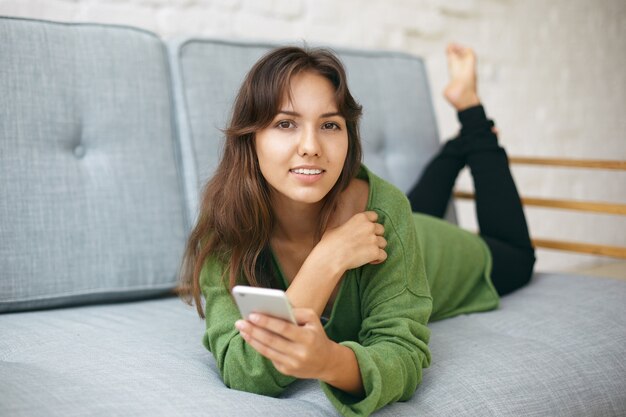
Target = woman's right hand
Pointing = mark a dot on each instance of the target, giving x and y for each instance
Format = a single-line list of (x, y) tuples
[(357, 242)]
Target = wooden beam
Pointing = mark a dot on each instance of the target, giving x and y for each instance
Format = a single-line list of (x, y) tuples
[(588, 206), (579, 247), (602, 250), (572, 163)]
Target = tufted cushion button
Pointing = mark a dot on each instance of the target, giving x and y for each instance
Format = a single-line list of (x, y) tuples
[(79, 151)]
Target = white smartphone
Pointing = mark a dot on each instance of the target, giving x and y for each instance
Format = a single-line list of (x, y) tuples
[(263, 300)]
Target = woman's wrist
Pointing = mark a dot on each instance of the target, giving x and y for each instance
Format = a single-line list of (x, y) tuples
[(315, 281), (331, 261), (342, 370)]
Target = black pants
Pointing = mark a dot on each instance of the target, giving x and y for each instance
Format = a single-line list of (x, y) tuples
[(498, 207)]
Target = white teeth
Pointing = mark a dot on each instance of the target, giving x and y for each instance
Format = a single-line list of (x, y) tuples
[(307, 171)]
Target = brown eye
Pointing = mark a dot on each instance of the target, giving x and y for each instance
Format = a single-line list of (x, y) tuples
[(284, 124), (330, 126)]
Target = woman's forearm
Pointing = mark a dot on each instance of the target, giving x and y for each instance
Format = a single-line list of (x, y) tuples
[(315, 281)]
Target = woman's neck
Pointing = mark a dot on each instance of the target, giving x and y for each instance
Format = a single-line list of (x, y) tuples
[(299, 222), (296, 222)]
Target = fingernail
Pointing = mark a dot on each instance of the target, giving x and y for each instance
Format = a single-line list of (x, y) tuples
[(240, 325), (254, 317)]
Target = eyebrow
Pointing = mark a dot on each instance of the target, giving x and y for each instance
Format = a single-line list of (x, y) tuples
[(293, 113)]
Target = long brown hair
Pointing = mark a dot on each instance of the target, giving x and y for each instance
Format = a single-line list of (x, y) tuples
[(236, 218)]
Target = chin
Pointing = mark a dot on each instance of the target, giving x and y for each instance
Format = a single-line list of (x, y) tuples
[(308, 196), (313, 199)]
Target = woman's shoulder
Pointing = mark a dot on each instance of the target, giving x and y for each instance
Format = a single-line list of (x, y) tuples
[(358, 192), (353, 200), (369, 192), (383, 195)]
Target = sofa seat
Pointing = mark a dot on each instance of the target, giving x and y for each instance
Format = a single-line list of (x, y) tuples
[(534, 356)]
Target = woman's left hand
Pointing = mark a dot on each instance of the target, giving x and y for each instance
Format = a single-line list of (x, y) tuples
[(297, 350)]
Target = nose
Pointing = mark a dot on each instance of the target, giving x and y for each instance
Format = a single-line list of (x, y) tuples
[(309, 143)]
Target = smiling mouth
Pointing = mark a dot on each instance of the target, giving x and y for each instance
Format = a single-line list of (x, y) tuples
[(304, 171)]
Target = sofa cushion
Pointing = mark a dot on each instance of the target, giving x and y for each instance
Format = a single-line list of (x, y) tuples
[(398, 129), (553, 348), (91, 203)]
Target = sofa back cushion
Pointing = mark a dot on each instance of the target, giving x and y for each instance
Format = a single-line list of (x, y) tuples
[(398, 129), (91, 203)]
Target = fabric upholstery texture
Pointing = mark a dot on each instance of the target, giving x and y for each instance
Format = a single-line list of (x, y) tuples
[(535, 356), (91, 203)]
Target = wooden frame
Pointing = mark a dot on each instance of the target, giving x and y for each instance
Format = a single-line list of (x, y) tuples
[(586, 206)]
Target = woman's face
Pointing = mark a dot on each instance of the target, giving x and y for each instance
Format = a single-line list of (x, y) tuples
[(302, 152)]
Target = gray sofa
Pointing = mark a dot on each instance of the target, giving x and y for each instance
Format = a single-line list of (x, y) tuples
[(106, 136)]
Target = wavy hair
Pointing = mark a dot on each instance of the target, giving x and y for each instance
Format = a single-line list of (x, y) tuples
[(236, 217)]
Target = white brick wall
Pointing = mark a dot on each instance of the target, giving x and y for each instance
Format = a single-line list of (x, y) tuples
[(551, 75)]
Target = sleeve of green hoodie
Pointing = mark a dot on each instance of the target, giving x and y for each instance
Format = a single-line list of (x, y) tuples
[(396, 305), (242, 368)]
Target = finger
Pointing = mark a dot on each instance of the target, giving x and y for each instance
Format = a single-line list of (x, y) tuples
[(371, 215), (273, 324), (382, 257), (268, 351), (263, 339), (284, 368), (382, 242), (379, 229)]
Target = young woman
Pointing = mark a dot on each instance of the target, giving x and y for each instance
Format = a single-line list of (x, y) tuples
[(290, 206)]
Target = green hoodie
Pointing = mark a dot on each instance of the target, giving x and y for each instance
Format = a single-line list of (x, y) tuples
[(434, 270)]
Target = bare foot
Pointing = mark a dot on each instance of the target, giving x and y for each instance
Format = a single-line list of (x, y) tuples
[(461, 91)]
